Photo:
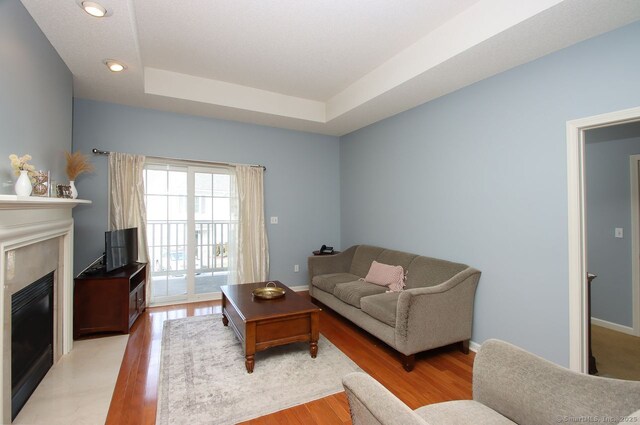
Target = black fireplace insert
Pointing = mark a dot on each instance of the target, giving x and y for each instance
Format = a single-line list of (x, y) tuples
[(31, 339)]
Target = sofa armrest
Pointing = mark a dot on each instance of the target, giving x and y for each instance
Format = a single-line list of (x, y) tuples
[(437, 315), (530, 390), (372, 404), (325, 264)]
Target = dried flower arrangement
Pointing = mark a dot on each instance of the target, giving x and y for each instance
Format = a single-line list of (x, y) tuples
[(20, 163), (77, 163)]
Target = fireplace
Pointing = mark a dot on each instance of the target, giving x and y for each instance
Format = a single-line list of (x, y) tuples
[(36, 238), (31, 339)]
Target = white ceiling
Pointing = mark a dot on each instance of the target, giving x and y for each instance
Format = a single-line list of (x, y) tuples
[(329, 66)]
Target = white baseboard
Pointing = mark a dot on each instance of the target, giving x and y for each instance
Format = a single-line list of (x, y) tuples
[(613, 326), (299, 288)]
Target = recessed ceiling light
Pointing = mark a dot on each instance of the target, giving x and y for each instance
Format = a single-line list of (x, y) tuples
[(94, 9), (114, 66)]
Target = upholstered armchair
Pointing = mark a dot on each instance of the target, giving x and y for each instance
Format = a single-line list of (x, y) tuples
[(510, 386)]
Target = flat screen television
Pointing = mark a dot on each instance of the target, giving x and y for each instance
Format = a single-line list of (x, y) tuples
[(120, 248)]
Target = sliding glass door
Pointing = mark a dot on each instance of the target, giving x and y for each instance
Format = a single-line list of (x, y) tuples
[(213, 210), (190, 225), (166, 200)]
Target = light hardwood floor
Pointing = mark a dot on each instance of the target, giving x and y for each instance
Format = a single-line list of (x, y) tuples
[(617, 354), (439, 375)]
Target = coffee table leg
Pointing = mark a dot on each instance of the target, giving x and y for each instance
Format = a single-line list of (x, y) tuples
[(315, 334), (250, 346), (225, 321), (249, 362)]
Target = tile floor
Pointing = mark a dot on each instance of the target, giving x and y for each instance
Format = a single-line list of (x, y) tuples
[(78, 389)]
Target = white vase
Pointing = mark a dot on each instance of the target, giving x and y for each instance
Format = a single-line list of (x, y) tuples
[(74, 191), (23, 184)]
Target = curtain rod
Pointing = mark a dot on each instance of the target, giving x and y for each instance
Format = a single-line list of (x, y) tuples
[(100, 152)]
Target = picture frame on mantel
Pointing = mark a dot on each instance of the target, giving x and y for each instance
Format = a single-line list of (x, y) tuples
[(63, 191)]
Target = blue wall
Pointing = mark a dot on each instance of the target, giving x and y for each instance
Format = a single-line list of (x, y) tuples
[(301, 181), (36, 90), (480, 176), (609, 206)]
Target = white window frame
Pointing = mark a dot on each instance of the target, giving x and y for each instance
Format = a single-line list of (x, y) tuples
[(191, 170)]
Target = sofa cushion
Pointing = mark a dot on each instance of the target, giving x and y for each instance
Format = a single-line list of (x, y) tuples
[(328, 282), (396, 258), (382, 307), (462, 412), (352, 292), (362, 259), (425, 271)]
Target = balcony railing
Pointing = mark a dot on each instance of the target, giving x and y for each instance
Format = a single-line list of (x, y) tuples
[(167, 243)]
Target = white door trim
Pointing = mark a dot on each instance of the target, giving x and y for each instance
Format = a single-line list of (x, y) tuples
[(634, 165), (577, 242)]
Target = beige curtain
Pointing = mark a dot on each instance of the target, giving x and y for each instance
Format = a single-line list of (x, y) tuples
[(126, 195), (253, 248)]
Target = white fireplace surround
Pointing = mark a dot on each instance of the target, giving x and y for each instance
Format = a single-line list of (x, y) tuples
[(26, 222)]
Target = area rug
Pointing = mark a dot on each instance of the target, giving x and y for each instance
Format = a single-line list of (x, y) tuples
[(203, 379)]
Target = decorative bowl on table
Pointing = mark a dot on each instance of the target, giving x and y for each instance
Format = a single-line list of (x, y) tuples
[(268, 292)]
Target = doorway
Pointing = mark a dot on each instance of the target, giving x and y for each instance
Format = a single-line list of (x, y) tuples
[(578, 320), (611, 186)]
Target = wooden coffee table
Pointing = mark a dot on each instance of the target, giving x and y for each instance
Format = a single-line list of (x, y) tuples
[(261, 324)]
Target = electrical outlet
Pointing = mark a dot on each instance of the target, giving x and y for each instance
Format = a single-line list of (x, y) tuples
[(296, 268), (274, 220), (618, 232)]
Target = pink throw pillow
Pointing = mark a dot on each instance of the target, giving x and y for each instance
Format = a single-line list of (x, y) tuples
[(386, 275)]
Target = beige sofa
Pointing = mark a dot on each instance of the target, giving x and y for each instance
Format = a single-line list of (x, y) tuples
[(510, 386), (434, 309)]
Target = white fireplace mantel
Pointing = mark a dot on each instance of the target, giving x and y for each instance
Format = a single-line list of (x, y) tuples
[(26, 221), (14, 202)]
